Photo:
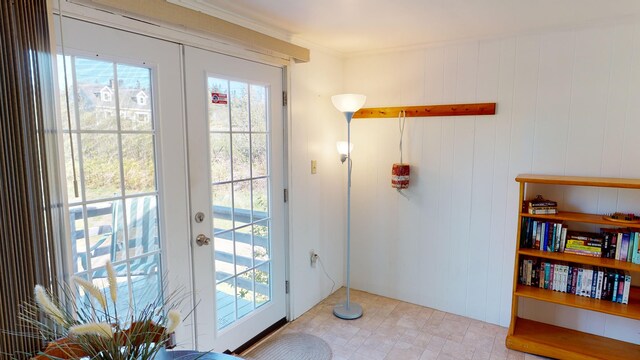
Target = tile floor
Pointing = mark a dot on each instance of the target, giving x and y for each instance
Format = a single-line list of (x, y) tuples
[(392, 329)]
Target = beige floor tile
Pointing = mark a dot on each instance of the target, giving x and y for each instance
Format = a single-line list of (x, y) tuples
[(429, 355), (392, 329), (405, 351), (457, 350), (481, 355)]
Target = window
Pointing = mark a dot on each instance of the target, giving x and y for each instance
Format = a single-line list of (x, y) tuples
[(115, 214)]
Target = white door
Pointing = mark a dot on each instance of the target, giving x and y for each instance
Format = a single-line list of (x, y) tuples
[(126, 121), (235, 141)]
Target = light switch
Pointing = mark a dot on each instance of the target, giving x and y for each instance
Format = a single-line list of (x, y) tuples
[(314, 166)]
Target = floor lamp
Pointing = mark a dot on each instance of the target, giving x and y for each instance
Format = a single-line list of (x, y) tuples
[(348, 104)]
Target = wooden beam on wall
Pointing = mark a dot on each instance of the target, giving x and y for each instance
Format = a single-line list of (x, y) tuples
[(182, 17), (428, 110)]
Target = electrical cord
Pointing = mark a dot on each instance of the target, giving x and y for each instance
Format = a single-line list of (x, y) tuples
[(326, 274)]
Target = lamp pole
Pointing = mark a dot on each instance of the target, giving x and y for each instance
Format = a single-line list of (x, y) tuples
[(348, 310), (348, 104)]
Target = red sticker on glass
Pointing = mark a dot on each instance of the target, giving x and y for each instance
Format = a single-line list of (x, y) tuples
[(218, 98)]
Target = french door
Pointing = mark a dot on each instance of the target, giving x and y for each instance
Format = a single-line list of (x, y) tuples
[(125, 134), (235, 141), (121, 117)]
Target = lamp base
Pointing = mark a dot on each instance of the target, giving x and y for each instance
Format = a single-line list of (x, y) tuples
[(353, 312)]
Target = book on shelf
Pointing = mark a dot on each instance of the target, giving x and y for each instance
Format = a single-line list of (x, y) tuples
[(621, 244), (540, 206), (542, 235), (543, 211), (587, 281), (554, 236)]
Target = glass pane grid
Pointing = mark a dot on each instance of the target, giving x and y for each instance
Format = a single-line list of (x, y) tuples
[(115, 216), (240, 178)]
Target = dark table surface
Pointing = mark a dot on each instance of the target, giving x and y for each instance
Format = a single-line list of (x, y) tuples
[(192, 355)]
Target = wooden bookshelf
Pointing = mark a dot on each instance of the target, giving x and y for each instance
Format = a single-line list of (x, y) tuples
[(582, 259), (580, 217), (579, 181), (631, 310), (557, 342), (562, 343)]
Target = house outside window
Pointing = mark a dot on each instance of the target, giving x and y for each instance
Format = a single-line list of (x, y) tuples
[(105, 95), (141, 98)]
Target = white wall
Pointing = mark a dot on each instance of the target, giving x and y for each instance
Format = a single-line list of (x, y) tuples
[(317, 202), (568, 102)]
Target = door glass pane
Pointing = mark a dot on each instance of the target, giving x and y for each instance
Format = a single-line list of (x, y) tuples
[(220, 157), (239, 102), (66, 103), (260, 199), (99, 279), (261, 251), (226, 302), (243, 249), (224, 263), (134, 95), (219, 104), (259, 164), (142, 225), (241, 203), (263, 284), (145, 280), (114, 149), (245, 293), (78, 242), (96, 94), (221, 195), (100, 165), (258, 104), (100, 221), (241, 150), (73, 198), (240, 199), (138, 163)]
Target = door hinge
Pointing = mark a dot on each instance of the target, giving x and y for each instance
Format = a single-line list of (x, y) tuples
[(284, 98), (286, 286), (286, 195)]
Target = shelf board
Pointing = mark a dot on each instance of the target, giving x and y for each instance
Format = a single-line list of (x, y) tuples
[(579, 181), (557, 342), (427, 110), (581, 217), (630, 310), (582, 259)]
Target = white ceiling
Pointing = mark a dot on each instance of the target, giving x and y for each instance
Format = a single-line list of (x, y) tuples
[(353, 26)]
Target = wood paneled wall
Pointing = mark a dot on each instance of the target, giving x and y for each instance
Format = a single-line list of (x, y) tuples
[(568, 102)]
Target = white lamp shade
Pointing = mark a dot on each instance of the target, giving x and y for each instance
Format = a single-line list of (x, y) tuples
[(342, 147), (348, 102)]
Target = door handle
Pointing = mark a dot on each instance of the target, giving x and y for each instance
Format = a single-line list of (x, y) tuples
[(202, 240)]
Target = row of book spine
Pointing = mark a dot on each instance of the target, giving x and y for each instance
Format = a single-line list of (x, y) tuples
[(594, 282), (543, 235), (621, 244), (618, 244)]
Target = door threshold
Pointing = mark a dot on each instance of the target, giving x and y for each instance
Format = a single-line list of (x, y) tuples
[(265, 333)]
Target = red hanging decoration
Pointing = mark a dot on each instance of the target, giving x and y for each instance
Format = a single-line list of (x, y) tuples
[(399, 171), (400, 176)]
